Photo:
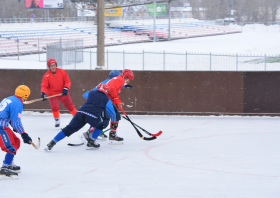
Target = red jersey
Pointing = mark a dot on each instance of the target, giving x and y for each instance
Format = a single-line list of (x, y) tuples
[(115, 84), (53, 84)]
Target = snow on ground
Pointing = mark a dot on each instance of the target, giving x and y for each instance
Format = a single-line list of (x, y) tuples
[(225, 156)]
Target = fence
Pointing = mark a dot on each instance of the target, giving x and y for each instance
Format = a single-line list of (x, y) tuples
[(173, 61), (66, 52), (45, 20)]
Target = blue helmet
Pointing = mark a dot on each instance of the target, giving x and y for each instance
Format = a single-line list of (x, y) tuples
[(114, 73)]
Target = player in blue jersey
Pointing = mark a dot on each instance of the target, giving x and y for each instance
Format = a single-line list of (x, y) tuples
[(112, 74), (90, 113), (10, 113)]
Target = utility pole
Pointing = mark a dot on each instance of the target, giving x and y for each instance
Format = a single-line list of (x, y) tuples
[(100, 35)]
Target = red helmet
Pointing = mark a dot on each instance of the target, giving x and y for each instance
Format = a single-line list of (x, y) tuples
[(127, 73), (51, 61), (103, 87)]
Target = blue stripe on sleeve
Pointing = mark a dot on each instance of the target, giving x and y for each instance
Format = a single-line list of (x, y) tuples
[(111, 111)]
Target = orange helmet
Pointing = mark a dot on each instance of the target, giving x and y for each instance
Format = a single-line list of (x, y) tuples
[(22, 91), (51, 61)]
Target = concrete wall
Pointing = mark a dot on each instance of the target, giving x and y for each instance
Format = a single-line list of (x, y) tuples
[(166, 92)]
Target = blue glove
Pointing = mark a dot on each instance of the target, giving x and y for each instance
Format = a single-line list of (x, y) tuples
[(43, 96), (65, 91), (26, 138), (128, 86)]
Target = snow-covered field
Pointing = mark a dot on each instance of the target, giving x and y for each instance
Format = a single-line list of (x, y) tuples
[(256, 40), (194, 157)]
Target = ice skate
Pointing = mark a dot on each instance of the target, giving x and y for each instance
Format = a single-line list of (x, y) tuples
[(14, 167), (50, 146), (102, 137), (115, 139), (91, 145), (5, 173), (57, 122), (84, 137)]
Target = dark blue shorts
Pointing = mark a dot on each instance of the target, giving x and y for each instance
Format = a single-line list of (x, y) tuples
[(79, 121)]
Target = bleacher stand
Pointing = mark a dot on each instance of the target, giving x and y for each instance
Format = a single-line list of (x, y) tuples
[(35, 40)]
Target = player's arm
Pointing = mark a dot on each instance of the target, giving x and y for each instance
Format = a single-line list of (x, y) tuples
[(85, 95), (15, 112), (111, 111), (45, 84), (66, 80)]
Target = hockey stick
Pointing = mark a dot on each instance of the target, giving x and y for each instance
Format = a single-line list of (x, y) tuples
[(150, 134), (40, 99), (36, 146), (70, 144), (138, 132)]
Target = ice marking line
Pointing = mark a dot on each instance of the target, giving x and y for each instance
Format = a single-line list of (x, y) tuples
[(206, 122), (189, 129), (147, 150), (90, 171), (119, 160), (169, 138), (53, 188)]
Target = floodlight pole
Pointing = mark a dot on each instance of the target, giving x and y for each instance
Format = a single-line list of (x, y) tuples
[(169, 19), (100, 35), (155, 20)]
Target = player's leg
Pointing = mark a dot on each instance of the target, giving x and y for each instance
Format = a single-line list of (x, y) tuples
[(106, 119), (55, 110), (113, 132), (68, 104), (16, 144), (98, 125), (77, 122), (10, 146)]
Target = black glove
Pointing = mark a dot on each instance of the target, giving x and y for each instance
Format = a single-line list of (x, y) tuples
[(26, 138), (43, 96), (128, 86), (114, 126), (65, 91)]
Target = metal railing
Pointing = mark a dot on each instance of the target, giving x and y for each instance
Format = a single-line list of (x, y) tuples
[(164, 60), (45, 20)]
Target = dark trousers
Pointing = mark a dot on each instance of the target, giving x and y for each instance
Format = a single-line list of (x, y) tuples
[(79, 120)]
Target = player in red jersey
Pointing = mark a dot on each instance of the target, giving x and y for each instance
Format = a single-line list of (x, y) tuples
[(56, 81), (115, 84)]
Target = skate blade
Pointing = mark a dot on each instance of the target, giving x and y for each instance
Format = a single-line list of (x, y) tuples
[(46, 149), (92, 148), (113, 142), (101, 139), (17, 171), (83, 139), (6, 177)]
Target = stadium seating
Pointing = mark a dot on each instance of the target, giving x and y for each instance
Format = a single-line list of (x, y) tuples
[(36, 40)]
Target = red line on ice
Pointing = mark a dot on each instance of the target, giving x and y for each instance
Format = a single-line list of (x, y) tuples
[(119, 160), (147, 150), (90, 171), (53, 188)]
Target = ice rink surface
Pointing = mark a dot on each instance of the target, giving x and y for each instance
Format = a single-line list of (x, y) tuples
[(224, 156)]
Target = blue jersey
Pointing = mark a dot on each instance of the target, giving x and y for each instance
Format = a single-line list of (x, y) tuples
[(10, 111), (96, 103)]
